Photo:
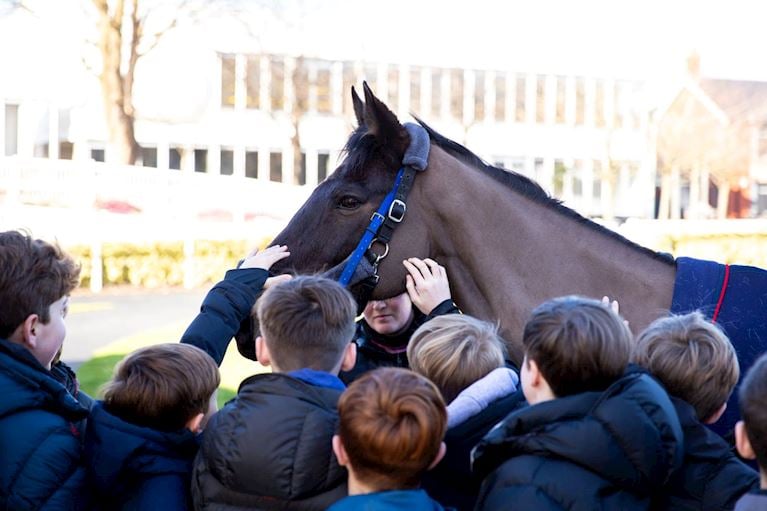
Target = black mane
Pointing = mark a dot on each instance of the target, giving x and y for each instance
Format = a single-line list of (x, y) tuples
[(361, 147)]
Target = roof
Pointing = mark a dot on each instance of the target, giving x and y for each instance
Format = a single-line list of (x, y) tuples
[(739, 99)]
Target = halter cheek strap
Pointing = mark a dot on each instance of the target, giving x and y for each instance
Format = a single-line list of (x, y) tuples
[(392, 210)]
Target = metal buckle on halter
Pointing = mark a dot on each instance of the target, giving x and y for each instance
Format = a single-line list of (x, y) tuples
[(378, 256), (377, 214), (402, 208)]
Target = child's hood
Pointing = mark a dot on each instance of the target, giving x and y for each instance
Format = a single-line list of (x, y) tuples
[(117, 451)]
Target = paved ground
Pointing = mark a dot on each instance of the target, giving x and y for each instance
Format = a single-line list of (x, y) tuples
[(96, 320)]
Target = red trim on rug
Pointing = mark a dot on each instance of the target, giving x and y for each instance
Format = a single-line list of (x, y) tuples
[(722, 293)]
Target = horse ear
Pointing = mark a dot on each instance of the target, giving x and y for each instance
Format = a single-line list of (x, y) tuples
[(379, 120), (359, 108)]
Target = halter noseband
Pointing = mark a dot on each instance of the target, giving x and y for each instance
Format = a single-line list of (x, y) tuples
[(390, 213)]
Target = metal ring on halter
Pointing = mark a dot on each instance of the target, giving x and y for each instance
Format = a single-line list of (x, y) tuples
[(379, 256)]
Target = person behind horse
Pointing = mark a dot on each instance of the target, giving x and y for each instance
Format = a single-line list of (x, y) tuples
[(270, 447), (465, 358), (751, 432), (42, 414), (390, 432), (143, 437), (597, 434), (697, 365), (386, 326)]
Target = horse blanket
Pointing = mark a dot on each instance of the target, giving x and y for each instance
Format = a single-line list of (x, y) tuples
[(735, 298)]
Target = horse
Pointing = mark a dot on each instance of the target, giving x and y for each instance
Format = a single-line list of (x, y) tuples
[(506, 244)]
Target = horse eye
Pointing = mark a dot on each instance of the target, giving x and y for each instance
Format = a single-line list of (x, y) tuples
[(349, 202)]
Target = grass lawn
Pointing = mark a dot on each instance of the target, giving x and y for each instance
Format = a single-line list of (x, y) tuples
[(96, 371)]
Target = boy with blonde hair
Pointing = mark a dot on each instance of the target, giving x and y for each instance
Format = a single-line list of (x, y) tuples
[(390, 432), (751, 431), (465, 358), (696, 363), (41, 416), (595, 433), (143, 437), (270, 447)]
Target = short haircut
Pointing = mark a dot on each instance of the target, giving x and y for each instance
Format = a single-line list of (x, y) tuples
[(753, 408), (693, 359), (578, 343), (162, 386), (33, 275), (392, 422), (454, 351), (307, 322)]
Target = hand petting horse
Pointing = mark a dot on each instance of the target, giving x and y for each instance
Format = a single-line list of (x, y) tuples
[(506, 244)]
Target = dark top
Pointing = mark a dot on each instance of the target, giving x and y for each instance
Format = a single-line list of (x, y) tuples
[(270, 448), (395, 500), (137, 468), (40, 442), (595, 450), (371, 346), (712, 477)]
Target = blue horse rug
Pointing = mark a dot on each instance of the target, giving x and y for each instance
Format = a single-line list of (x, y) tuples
[(735, 298)]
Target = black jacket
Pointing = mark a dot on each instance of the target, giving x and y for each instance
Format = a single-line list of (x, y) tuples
[(136, 468), (595, 450), (451, 482), (712, 477), (270, 448), (370, 354)]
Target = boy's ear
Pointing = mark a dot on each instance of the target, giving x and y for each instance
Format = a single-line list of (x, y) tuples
[(26, 333), (439, 456), (340, 452), (262, 352), (742, 443), (350, 357), (195, 423), (716, 415)]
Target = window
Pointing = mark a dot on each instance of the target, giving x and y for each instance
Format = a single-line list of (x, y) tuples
[(300, 173), (559, 177), (227, 80), (500, 97), (324, 100), (561, 85), (393, 77), (349, 79), (580, 101), (519, 115), (436, 92), (415, 90), (540, 99), (456, 93), (277, 84), (599, 104), (578, 179), (12, 130), (65, 150), (323, 160), (97, 155), (301, 86), (149, 157), (251, 164), (597, 181), (174, 158), (275, 167), (479, 95), (227, 162), (253, 82), (619, 104), (200, 160)]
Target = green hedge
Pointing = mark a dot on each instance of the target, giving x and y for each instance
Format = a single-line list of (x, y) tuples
[(161, 264)]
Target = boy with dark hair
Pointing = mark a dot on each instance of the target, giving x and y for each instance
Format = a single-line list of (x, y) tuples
[(41, 419), (595, 435), (751, 431), (697, 365), (390, 432), (270, 447), (142, 439)]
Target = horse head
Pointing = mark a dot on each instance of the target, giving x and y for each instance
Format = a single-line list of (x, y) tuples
[(326, 229)]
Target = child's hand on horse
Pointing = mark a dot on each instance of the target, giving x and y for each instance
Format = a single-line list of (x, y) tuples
[(426, 283), (264, 259)]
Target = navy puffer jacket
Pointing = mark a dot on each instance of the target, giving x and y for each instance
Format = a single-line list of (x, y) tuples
[(608, 450), (40, 442)]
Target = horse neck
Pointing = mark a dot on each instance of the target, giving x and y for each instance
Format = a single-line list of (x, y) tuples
[(506, 253)]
